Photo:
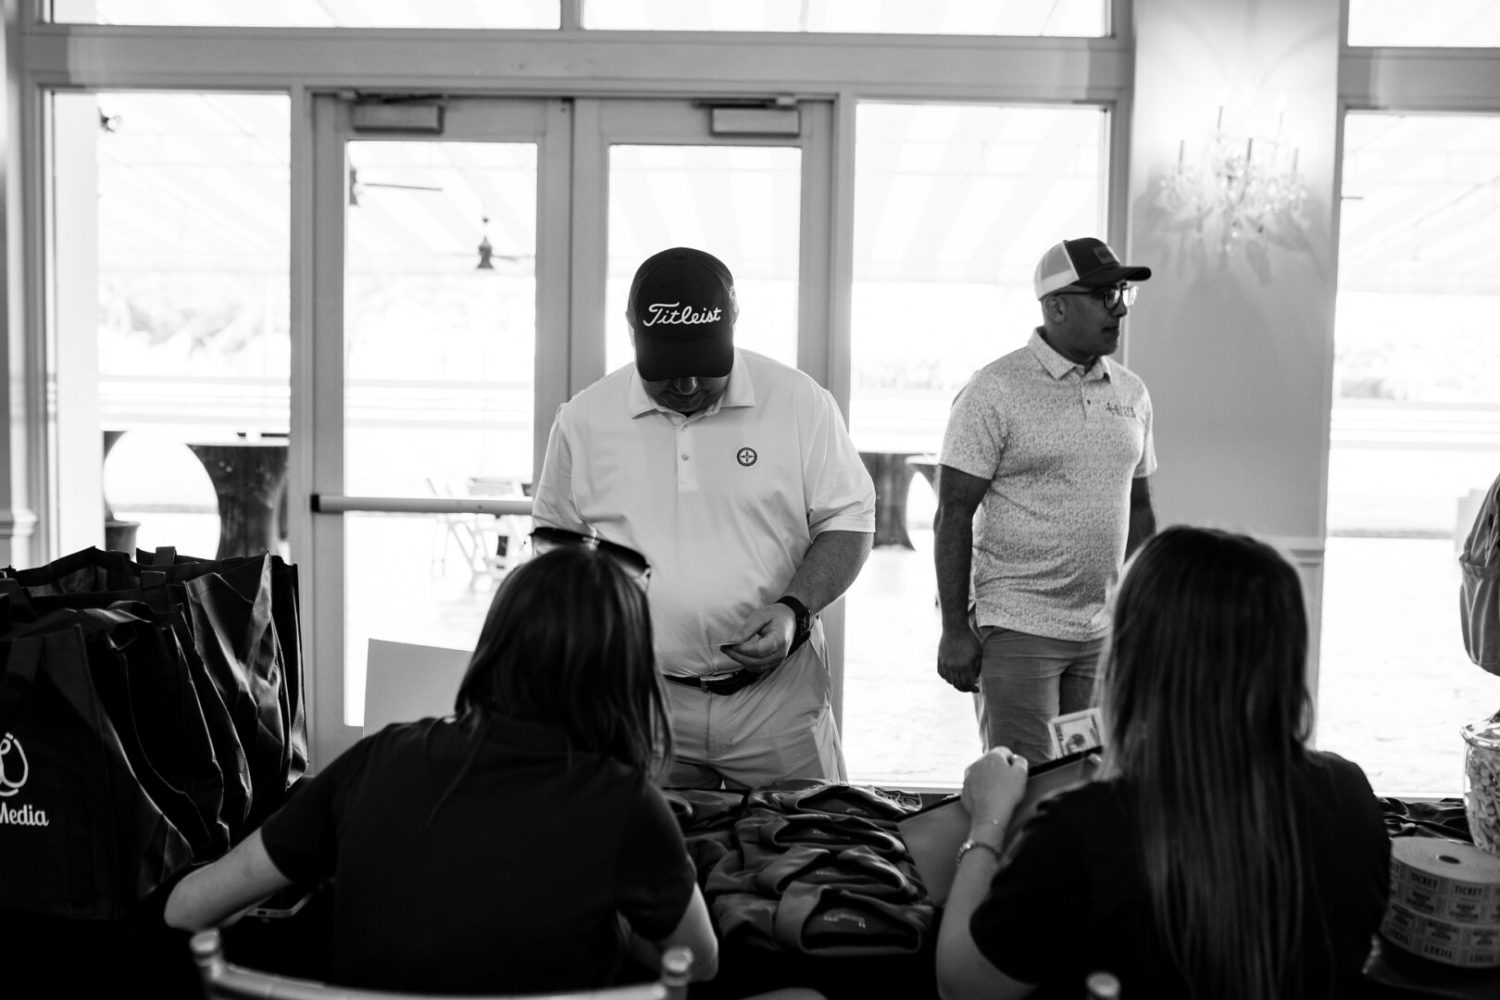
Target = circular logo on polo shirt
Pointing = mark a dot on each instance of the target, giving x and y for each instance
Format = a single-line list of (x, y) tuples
[(746, 457)]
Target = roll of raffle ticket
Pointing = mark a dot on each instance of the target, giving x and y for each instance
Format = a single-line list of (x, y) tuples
[(1445, 902)]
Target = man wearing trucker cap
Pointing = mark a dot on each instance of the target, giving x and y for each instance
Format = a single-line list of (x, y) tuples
[(1052, 444), (735, 476)]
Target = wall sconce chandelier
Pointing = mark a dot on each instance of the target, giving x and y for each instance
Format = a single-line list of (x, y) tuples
[(1245, 183)]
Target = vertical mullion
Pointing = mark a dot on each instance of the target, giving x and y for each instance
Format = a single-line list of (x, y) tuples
[(589, 256), (323, 355), (556, 266)]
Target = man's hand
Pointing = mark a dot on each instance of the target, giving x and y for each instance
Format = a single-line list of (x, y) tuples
[(768, 635), (958, 658)]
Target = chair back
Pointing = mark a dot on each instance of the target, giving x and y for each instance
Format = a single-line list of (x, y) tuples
[(223, 980)]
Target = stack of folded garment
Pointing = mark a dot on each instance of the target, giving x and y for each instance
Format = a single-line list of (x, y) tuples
[(814, 868)]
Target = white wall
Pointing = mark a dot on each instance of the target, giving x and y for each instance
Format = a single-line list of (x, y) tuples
[(1236, 345), (1236, 342)]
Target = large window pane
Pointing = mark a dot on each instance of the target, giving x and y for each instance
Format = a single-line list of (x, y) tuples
[(440, 338), (1415, 441), (740, 203), (1401, 22), (424, 579), (194, 349), (916, 17), (312, 13), (954, 204)]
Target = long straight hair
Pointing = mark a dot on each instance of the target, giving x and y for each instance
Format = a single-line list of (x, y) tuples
[(1206, 709), (567, 642)]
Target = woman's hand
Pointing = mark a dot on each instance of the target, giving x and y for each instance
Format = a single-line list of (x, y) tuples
[(993, 785)]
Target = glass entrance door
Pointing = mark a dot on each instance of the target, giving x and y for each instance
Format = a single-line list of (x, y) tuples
[(467, 282), (749, 185), (433, 281)]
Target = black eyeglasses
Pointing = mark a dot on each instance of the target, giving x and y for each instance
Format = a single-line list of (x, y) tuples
[(546, 539), (1112, 297)]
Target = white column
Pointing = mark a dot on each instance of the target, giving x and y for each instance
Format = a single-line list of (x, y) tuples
[(1236, 341), (17, 479), (74, 427)]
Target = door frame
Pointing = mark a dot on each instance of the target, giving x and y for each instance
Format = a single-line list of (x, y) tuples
[(573, 136), (319, 384)]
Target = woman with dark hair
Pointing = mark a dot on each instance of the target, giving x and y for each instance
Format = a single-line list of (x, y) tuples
[(505, 849), (1216, 855)]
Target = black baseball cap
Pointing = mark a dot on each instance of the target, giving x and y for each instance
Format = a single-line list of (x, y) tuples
[(682, 310)]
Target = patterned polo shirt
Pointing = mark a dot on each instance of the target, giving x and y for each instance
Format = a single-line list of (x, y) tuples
[(1060, 447)]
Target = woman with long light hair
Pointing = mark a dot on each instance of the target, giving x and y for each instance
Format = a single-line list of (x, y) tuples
[(1216, 855)]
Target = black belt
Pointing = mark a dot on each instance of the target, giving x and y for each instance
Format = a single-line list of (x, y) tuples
[(727, 684)]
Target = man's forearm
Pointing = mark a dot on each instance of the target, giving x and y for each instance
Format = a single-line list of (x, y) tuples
[(830, 567), (1142, 527), (1142, 519), (953, 554)]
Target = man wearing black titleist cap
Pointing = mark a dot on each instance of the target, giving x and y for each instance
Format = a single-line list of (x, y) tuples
[(735, 476), (1053, 444)]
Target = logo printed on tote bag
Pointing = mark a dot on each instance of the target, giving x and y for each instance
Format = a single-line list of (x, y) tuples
[(13, 767), (13, 774)]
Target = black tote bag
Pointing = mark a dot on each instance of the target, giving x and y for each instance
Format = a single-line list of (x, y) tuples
[(80, 838), (87, 571), (142, 675), (235, 635), (240, 630), (245, 579), (168, 649)]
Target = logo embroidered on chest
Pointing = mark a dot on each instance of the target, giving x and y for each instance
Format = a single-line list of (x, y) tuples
[(1121, 410), (746, 457)]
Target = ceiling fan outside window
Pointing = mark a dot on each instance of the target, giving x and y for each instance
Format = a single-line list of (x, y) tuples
[(357, 186)]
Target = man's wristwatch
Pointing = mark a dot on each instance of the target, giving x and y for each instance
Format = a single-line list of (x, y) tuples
[(803, 628)]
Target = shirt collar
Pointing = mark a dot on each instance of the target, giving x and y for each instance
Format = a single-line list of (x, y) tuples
[(741, 392), (1058, 366)]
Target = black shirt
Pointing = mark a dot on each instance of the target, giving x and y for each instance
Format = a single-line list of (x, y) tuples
[(513, 885), (1071, 898)]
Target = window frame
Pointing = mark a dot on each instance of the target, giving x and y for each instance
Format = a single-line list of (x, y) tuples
[(845, 69)]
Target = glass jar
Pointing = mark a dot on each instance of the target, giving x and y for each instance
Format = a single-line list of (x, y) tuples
[(1482, 783)]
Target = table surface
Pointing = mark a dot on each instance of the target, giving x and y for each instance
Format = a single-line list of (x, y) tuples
[(1395, 973)]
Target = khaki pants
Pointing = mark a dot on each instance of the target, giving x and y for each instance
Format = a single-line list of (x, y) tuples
[(781, 726)]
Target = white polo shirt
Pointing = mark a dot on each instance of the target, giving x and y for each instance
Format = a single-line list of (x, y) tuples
[(724, 503), (1060, 447)]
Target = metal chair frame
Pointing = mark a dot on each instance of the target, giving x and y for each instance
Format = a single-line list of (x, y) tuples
[(223, 980)]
